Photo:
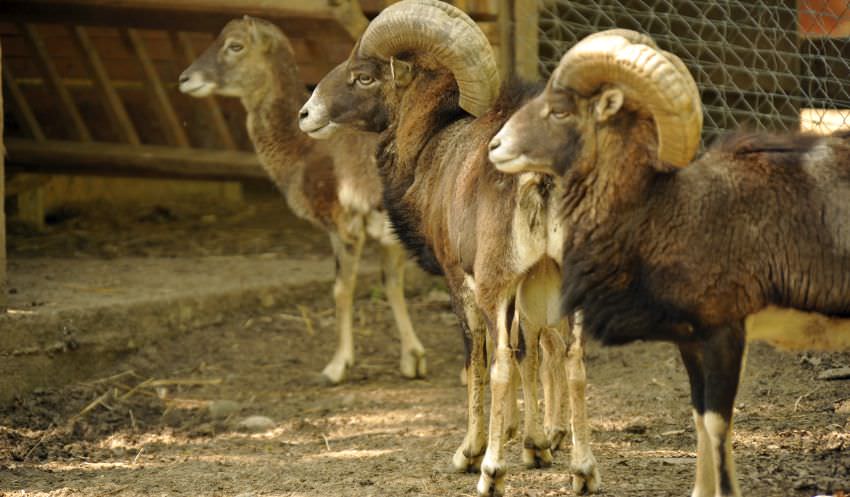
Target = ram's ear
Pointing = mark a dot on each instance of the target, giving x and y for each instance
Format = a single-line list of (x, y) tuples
[(607, 104), (401, 71), (260, 32)]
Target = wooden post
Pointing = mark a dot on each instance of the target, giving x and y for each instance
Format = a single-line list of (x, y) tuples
[(3, 291), (30, 201), (518, 39)]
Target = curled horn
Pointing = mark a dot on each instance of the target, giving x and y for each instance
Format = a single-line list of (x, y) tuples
[(651, 78), (446, 32)]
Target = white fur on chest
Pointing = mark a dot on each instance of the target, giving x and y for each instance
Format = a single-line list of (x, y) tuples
[(353, 198), (791, 329), (538, 230)]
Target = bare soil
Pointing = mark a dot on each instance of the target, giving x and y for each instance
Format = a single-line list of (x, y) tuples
[(157, 425)]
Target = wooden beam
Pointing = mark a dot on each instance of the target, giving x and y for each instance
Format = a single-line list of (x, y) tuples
[(526, 18), (184, 45), (3, 292), (304, 8), (116, 159), (111, 100), (168, 117), (349, 15), (518, 42), (179, 15), (30, 201), (19, 183), (21, 108), (51, 75)]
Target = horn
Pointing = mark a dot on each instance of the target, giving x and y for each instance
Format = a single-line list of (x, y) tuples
[(654, 79), (447, 33)]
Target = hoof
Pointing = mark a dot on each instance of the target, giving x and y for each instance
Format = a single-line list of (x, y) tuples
[(490, 486), (536, 458), (585, 482), (336, 372), (464, 463), (492, 481), (413, 364)]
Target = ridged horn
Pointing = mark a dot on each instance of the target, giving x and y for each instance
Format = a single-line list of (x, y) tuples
[(449, 35), (650, 78)]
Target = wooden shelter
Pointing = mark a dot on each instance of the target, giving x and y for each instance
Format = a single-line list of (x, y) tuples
[(90, 85)]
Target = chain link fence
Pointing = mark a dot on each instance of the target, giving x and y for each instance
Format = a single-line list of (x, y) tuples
[(760, 64)]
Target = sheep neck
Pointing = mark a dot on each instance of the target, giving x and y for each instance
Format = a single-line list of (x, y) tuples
[(616, 180), (425, 108), (272, 121)]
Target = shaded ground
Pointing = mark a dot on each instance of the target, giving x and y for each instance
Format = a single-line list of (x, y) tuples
[(157, 424)]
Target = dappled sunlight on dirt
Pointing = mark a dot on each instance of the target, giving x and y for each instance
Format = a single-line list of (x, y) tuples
[(169, 420)]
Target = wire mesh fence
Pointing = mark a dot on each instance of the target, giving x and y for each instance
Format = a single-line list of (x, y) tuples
[(760, 64)]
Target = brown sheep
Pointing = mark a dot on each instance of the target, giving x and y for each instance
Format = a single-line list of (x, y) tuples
[(750, 241), (333, 184), (418, 72)]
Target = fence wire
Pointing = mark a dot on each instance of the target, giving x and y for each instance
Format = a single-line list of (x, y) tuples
[(772, 65)]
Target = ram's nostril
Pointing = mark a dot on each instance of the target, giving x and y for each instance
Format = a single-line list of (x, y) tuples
[(303, 114), (494, 143), (184, 78)]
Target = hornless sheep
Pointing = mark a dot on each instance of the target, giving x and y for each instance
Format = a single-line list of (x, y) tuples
[(334, 184), (753, 234), (417, 73)]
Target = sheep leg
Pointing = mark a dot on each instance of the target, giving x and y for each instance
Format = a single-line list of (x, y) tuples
[(536, 452), (512, 411), (553, 353), (347, 255), (393, 259), (467, 457), (582, 462), (714, 368), (493, 468), (704, 485)]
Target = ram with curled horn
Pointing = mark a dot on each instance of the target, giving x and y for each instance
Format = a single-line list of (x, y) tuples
[(423, 75), (749, 242)]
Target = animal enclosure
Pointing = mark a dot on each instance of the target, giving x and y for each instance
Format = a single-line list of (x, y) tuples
[(774, 65)]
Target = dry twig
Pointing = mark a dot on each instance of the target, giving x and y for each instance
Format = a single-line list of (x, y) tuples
[(305, 315)]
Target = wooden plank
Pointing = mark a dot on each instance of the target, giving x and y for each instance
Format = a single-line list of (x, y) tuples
[(479, 10), (51, 75), (349, 15), (518, 39), (182, 15), (168, 117), (112, 102), (297, 8), (116, 159), (525, 38), (31, 207), (3, 292), (184, 44), (19, 183), (21, 108)]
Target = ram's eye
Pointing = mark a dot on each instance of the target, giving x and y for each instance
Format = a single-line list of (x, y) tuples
[(235, 46), (365, 79), (560, 114)]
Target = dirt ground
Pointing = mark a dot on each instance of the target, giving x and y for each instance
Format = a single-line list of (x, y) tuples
[(171, 419)]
